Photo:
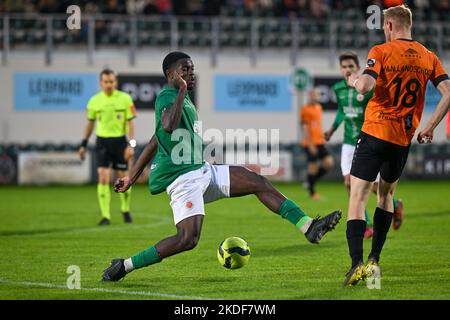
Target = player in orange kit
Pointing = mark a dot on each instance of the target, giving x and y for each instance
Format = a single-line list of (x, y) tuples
[(319, 159), (398, 70)]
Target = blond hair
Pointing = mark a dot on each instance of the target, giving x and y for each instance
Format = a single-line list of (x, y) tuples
[(401, 14)]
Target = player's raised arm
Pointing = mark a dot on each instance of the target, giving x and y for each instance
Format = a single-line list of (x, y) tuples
[(147, 155), (448, 125), (171, 117), (363, 83), (340, 116), (426, 135)]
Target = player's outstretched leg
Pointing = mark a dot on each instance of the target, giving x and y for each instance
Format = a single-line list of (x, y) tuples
[(187, 237), (244, 182)]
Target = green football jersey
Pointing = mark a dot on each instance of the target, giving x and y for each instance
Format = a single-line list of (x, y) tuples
[(111, 113), (180, 151), (351, 108)]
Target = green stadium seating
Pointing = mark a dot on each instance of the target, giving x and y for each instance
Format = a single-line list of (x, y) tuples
[(351, 31)]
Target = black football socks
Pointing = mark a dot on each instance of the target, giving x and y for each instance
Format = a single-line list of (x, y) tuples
[(355, 236), (381, 223)]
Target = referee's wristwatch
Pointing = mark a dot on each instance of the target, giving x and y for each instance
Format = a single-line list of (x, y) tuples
[(132, 143)]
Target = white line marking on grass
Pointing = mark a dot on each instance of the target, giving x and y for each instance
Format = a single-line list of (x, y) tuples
[(118, 291)]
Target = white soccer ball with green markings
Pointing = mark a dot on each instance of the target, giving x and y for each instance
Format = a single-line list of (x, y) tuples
[(233, 253)]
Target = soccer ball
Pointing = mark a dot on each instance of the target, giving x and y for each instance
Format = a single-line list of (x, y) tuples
[(233, 253)]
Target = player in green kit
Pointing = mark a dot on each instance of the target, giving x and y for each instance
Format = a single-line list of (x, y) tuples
[(351, 108), (179, 169), (113, 110)]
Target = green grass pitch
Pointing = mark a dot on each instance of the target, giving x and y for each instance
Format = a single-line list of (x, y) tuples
[(44, 230)]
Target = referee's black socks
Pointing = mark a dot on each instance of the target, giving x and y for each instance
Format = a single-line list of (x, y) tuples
[(355, 237), (381, 223)]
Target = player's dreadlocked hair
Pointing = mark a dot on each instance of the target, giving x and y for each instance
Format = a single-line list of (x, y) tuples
[(171, 58)]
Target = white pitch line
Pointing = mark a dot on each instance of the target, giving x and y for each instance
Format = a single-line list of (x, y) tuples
[(126, 292)]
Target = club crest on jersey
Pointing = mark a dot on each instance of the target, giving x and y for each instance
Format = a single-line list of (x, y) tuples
[(360, 97), (189, 205), (371, 63)]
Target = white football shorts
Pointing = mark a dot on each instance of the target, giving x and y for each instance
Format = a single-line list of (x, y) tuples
[(190, 191)]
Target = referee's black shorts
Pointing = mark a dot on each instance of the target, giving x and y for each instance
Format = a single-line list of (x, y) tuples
[(373, 155), (111, 151)]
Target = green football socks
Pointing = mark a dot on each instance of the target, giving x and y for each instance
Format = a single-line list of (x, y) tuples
[(125, 200), (369, 223), (145, 258), (104, 199), (395, 203), (291, 212)]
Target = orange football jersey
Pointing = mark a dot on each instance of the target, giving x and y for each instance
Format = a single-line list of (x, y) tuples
[(401, 69), (311, 116)]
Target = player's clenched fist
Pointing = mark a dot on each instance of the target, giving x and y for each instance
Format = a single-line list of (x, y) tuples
[(177, 77), (351, 81), (425, 136), (82, 153), (122, 184), (327, 134)]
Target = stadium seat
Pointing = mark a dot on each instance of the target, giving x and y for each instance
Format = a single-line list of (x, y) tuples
[(59, 24), (185, 26), (12, 150), (224, 40), (66, 146), (48, 147), (17, 24), (39, 24), (58, 36), (268, 40), (163, 40), (30, 147), (361, 41), (446, 43), (244, 25), (103, 39), (226, 25), (285, 28), (284, 41), (303, 40), (204, 40)]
